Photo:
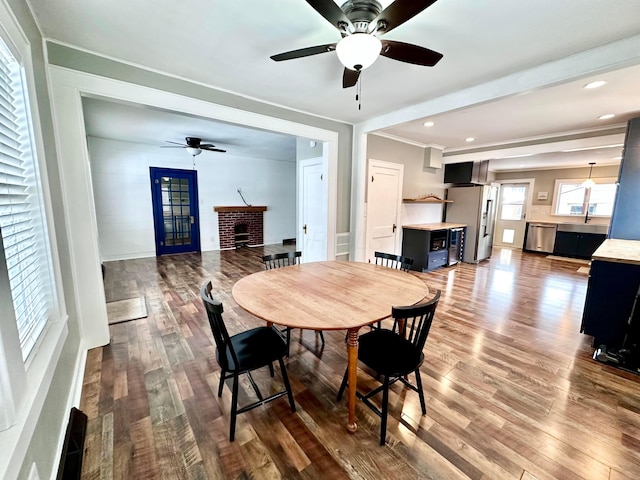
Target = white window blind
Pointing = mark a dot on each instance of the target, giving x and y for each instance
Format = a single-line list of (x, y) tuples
[(21, 219)]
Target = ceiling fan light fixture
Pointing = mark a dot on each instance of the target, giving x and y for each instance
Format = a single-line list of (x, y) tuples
[(358, 51), (193, 151)]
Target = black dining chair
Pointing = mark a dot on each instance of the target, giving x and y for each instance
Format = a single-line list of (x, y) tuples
[(279, 260), (242, 353), (393, 261), (394, 354)]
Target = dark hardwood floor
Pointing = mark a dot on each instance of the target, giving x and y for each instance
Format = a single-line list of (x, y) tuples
[(512, 391)]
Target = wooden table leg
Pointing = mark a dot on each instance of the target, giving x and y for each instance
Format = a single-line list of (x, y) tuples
[(352, 376)]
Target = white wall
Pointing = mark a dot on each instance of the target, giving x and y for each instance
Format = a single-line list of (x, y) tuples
[(416, 182), (122, 192)]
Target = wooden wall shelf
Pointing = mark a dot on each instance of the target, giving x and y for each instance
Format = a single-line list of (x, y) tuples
[(239, 209), (424, 200)]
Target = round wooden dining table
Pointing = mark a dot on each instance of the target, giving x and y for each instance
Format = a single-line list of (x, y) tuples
[(332, 295)]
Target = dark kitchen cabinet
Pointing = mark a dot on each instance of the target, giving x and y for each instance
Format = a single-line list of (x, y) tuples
[(428, 248), (578, 245), (611, 292)]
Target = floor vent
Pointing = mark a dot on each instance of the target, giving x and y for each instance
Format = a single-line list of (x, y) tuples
[(70, 466)]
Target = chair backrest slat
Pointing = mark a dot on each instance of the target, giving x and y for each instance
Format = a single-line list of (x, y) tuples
[(414, 322), (391, 260), (218, 328), (278, 260)]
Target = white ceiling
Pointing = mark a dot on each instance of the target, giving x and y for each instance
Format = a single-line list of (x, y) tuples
[(133, 123), (227, 45)]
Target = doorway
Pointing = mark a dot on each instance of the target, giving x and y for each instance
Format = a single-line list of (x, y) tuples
[(512, 214), (384, 196), (174, 194)]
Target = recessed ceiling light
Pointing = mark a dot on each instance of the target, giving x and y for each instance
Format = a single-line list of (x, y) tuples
[(596, 84), (469, 139), (429, 124), (606, 116)]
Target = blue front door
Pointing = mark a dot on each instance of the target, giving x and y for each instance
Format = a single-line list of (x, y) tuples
[(175, 210)]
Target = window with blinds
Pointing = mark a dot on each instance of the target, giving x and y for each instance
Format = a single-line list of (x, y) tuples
[(21, 213)]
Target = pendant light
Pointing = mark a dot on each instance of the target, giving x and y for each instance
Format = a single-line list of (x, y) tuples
[(588, 183)]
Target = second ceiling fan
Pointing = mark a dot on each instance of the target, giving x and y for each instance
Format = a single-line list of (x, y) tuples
[(194, 146), (361, 22)]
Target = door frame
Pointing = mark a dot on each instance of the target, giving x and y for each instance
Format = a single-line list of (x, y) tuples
[(158, 225), (393, 166), (527, 205), (67, 87), (301, 164)]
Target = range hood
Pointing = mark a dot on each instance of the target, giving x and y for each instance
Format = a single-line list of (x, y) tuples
[(467, 173)]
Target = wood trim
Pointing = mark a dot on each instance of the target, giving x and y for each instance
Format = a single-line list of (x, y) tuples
[(239, 209)]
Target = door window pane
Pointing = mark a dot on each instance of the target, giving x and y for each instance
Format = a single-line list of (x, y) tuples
[(508, 235), (513, 194), (511, 212), (513, 198)]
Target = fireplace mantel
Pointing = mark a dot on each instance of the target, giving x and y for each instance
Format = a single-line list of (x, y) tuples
[(243, 209)]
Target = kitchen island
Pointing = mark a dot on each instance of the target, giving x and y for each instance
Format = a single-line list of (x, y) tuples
[(433, 245), (614, 283)]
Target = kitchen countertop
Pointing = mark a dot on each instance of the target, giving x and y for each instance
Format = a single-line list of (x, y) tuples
[(619, 251), (434, 226)]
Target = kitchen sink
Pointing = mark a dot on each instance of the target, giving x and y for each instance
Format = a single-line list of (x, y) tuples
[(583, 228)]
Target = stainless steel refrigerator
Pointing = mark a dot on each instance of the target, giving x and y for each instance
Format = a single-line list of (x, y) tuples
[(474, 206)]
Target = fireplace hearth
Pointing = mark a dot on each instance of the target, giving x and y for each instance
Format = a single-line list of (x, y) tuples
[(240, 226)]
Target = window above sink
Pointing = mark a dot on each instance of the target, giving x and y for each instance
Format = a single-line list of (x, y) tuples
[(571, 198)]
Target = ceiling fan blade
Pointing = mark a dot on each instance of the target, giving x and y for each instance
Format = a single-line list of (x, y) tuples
[(332, 12), (399, 12), (175, 143), (304, 52), (350, 77), (409, 53), (172, 146), (206, 145), (203, 147)]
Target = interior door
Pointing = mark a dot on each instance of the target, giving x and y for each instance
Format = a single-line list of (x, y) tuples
[(384, 198), (511, 217), (313, 204), (174, 194)]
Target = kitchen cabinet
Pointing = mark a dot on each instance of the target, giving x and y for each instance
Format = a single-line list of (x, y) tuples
[(578, 245), (428, 244), (614, 280)]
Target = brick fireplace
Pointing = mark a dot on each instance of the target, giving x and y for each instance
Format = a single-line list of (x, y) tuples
[(240, 226)]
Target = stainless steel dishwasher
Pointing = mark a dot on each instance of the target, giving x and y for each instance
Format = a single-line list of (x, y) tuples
[(541, 237)]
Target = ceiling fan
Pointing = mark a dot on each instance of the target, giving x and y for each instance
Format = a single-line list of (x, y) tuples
[(361, 22), (194, 146)]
